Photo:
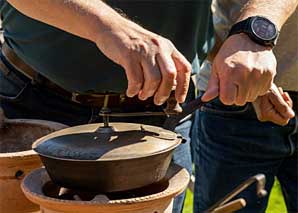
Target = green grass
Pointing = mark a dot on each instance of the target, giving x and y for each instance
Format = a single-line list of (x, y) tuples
[(188, 202), (276, 201)]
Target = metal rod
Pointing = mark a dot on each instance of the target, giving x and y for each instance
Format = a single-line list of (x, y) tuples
[(134, 114), (233, 206), (261, 192), (105, 111)]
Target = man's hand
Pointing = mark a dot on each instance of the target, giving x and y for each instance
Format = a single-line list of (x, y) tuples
[(152, 64), (242, 70), (275, 106)]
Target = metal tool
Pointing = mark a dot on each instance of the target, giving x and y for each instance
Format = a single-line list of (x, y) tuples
[(172, 108), (105, 111), (173, 119), (174, 112), (261, 192), (232, 206)]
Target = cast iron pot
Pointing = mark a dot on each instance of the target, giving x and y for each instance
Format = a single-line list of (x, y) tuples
[(120, 157)]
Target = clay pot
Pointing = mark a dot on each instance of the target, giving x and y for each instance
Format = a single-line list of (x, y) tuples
[(157, 198), (17, 159)]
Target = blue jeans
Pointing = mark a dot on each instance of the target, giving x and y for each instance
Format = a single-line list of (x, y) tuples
[(21, 99), (232, 146)]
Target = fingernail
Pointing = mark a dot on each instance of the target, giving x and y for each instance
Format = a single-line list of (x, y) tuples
[(130, 94), (159, 102), (142, 97)]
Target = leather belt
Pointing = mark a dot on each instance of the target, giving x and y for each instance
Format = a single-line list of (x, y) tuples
[(97, 100)]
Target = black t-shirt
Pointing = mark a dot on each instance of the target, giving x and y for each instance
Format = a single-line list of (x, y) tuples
[(77, 64)]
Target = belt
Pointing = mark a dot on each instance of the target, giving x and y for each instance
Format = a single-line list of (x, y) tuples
[(97, 100)]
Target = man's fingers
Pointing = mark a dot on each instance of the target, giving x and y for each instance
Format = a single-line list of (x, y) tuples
[(183, 68), (280, 90), (264, 87), (267, 112), (152, 78), (228, 92), (255, 88), (135, 78), (242, 95), (212, 90), (168, 77), (280, 105), (287, 99), (276, 117), (274, 106)]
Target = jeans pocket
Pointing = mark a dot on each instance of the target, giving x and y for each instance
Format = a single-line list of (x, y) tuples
[(12, 87), (217, 108)]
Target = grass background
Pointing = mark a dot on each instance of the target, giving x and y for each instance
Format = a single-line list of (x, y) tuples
[(276, 201)]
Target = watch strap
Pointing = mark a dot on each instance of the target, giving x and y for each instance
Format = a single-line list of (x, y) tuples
[(245, 27), (240, 27)]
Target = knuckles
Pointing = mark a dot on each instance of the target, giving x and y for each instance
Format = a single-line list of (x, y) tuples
[(188, 68), (170, 75), (154, 80)]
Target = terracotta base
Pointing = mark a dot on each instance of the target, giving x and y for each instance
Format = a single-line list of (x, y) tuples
[(156, 198), (17, 159)]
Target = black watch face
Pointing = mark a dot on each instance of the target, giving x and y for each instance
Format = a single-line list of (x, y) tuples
[(264, 29)]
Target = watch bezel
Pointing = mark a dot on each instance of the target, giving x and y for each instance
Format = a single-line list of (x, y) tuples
[(259, 37)]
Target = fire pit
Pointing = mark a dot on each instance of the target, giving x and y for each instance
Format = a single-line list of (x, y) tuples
[(156, 198), (17, 159)]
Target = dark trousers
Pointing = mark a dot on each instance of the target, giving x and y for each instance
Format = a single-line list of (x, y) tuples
[(232, 146)]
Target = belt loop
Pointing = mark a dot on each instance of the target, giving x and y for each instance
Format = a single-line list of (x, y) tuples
[(36, 79), (74, 96), (122, 98)]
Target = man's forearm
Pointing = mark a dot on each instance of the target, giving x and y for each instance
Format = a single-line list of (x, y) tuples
[(84, 18), (152, 64), (277, 11)]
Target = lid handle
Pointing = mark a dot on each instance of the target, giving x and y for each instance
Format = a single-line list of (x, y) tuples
[(173, 106)]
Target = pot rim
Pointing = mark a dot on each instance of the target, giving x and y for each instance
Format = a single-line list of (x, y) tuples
[(56, 134), (115, 159), (34, 122)]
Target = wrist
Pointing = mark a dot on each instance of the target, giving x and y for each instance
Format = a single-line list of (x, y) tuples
[(243, 37)]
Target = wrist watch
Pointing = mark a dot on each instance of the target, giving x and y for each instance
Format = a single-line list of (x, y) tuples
[(259, 29)]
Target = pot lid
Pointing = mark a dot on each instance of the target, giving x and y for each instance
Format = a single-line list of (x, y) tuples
[(94, 142)]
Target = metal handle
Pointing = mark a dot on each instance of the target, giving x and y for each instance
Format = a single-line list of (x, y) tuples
[(260, 180), (173, 106), (173, 120), (174, 112), (231, 207)]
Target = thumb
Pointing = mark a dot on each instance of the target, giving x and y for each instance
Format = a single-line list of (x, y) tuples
[(212, 89)]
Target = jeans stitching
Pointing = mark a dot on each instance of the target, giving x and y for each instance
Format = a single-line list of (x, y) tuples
[(218, 111)]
